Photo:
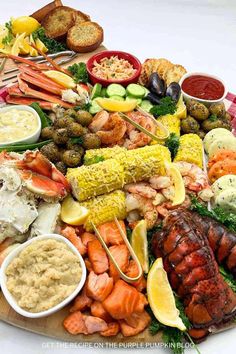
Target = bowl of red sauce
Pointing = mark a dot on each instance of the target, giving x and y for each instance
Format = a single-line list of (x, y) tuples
[(203, 87), (113, 66)]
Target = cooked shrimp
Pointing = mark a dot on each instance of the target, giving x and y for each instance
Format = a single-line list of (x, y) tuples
[(135, 137), (160, 182), (113, 130), (144, 205), (194, 177), (142, 189), (99, 120)]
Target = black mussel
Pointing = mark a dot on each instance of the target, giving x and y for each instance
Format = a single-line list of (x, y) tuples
[(156, 85), (173, 91), (154, 99)]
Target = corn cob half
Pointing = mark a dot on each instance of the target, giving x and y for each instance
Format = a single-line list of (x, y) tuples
[(105, 153), (104, 208), (190, 150), (97, 179)]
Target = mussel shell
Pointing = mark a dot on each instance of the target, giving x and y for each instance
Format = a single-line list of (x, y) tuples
[(174, 91), (153, 98), (156, 85)]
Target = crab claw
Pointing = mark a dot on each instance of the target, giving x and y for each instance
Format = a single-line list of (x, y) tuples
[(43, 186), (38, 163)]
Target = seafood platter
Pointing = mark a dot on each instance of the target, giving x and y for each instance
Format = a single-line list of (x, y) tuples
[(117, 195)]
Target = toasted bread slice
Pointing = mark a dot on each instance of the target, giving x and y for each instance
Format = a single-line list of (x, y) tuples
[(85, 37), (59, 21), (43, 11), (81, 17)]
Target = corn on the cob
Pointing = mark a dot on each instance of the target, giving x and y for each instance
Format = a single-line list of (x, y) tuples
[(105, 153), (104, 208), (190, 150), (97, 179), (171, 122)]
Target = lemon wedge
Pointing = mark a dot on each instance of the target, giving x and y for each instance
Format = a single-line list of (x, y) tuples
[(40, 45), (72, 212), (61, 78), (178, 182), (24, 46), (15, 50), (112, 105), (181, 111), (24, 24), (161, 298), (140, 244), (33, 52)]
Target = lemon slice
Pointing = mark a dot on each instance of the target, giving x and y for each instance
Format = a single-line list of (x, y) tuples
[(140, 244), (161, 298), (33, 52), (112, 105), (61, 78), (72, 212), (181, 111), (24, 46), (40, 45), (178, 182), (15, 50), (24, 24)]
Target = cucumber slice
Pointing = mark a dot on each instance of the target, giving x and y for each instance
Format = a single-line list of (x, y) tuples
[(139, 100), (94, 108), (135, 90), (117, 98), (116, 90), (96, 91), (146, 91), (104, 92), (146, 105)]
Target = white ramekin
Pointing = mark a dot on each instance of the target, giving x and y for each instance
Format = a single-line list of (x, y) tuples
[(204, 101), (33, 138), (10, 299)]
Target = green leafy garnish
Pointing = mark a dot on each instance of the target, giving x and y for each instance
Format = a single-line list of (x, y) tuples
[(150, 234), (166, 106), (79, 72), (213, 118), (45, 120), (52, 45), (218, 214), (9, 37), (128, 232), (78, 140), (84, 107), (228, 278), (172, 143), (93, 160)]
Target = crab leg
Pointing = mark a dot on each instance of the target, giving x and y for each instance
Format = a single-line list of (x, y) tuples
[(51, 61), (41, 76), (40, 82), (22, 99), (41, 95), (28, 62)]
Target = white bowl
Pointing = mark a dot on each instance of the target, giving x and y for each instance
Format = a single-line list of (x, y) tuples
[(10, 299), (33, 138), (204, 101)]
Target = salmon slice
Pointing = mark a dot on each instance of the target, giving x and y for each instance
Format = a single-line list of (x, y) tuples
[(99, 286), (124, 300), (88, 264), (134, 324), (70, 234), (81, 302), (112, 330), (121, 255), (6, 252), (77, 323), (6, 243), (86, 237), (110, 232), (98, 310), (98, 257), (132, 272)]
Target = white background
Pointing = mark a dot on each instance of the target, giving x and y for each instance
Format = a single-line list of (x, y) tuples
[(199, 34)]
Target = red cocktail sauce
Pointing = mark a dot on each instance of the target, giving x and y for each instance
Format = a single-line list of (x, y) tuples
[(203, 87)]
